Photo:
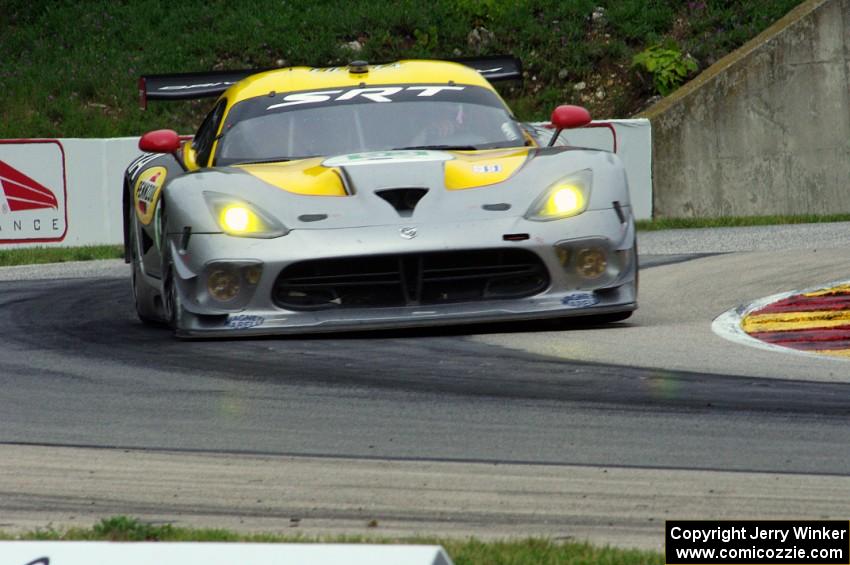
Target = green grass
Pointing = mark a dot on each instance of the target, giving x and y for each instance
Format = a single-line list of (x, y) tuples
[(36, 255), (63, 80), (735, 221), (462, 551)]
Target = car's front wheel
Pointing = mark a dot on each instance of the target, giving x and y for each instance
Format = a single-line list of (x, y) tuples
[(144, 295), (172, 305)]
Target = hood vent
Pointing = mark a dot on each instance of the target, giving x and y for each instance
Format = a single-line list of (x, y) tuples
[(404, 200)]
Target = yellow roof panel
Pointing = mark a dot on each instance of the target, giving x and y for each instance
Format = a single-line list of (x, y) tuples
[(293, 79)]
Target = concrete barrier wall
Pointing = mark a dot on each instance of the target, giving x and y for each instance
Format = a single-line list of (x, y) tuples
[(766, 130), (67, 192)]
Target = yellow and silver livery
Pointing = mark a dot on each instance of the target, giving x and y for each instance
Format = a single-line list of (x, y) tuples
[(371, 196)]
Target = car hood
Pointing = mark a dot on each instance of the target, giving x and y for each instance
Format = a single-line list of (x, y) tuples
[(340, 176), (351, 190)]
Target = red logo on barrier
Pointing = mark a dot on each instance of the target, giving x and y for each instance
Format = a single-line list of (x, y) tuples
[(22, 192)]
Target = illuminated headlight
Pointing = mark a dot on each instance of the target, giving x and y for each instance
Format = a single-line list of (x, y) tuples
[(242, 219), (567, 197), (238, 219)]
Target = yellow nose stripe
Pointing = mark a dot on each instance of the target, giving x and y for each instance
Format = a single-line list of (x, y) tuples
[(306, 176), (483, 168)]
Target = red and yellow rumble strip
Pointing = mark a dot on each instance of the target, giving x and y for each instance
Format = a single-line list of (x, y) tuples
[(818, 322)]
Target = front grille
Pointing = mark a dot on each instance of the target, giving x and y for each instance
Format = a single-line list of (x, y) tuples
[(410, 279)]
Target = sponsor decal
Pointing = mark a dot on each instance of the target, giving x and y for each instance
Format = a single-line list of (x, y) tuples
[(346, 69), (580, 300), (140, 163), (509, 131), (486, 168), (372, 94), (146, 193), (408, 232), (201, 85), (243, 321), (32, 191), (23, 192), (400, 156)]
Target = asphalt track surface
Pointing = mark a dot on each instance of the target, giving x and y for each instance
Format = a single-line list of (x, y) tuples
[(619, 427)]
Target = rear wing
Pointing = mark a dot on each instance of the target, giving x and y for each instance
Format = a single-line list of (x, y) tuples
[(494, 68), (190, 86)]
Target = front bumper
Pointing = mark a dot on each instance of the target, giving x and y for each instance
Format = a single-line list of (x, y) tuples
[(254, 313)]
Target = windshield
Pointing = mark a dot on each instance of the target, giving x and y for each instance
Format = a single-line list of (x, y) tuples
[(341, 121)]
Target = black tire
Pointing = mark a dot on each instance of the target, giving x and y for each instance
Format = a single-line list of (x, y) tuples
[(172, 306), (170, 297), (143, 294), (637, 268)]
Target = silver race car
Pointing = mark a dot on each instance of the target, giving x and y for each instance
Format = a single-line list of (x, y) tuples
[(371, 196)]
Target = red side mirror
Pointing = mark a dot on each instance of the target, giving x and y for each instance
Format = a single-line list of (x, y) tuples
[(570, 117), (160, 141)]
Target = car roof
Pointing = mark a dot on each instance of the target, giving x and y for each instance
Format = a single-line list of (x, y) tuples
[(293, 79)]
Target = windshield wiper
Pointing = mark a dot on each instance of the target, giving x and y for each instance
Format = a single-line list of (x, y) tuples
[(439, 147)]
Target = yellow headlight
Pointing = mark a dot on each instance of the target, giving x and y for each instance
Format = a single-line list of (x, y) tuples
[(564, 201), (239, 219), (565, 198)]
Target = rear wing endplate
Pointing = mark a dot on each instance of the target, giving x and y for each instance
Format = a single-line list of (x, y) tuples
[(190, 86)]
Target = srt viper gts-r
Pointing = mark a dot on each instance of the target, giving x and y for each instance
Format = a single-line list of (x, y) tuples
[(372, 196)]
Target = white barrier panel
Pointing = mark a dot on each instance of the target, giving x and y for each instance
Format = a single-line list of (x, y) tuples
[(93, 172), (103, 553), (33, 207), (634, 147), (67, 192)]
